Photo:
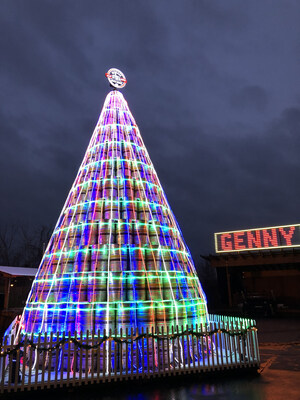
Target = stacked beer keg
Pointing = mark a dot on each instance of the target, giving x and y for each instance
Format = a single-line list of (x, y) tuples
[(116, 258)]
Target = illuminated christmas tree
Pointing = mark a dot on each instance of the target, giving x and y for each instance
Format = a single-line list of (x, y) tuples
[(116, 257)]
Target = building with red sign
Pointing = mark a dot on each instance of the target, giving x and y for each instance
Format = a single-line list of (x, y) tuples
[(259, 269)]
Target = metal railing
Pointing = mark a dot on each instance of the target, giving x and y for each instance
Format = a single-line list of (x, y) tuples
[(65, 360)]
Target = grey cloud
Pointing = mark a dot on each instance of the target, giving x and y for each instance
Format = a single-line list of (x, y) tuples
[(250, 98), (206, 85)]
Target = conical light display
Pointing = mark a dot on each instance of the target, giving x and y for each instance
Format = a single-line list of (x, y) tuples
[(116, 258)]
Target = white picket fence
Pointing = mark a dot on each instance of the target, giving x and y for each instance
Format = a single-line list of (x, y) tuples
[(57, 361)]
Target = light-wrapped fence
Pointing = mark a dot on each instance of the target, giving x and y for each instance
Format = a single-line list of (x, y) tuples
[(47, 362)]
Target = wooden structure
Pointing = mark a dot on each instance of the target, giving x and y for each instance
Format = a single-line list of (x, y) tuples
[(57, 361), (16, 280), (272, 271), (15, 283)]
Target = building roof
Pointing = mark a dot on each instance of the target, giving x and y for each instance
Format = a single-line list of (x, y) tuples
[(284, 257), (18, 271)]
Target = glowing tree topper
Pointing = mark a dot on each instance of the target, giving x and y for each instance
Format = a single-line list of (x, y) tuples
[(116, 78)]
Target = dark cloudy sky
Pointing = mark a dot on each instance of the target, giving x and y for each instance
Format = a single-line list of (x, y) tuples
[(213, 86)]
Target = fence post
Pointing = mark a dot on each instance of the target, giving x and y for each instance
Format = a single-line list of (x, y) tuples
[(162, 341), (23, 369), (168, 350), (200, 364), (148, 356), (143, 353), (10, 341), (173, 352), (202, 340), (229, 340), (68, 358), (225, 340), (178, 348), (239, 343), (104, 348), (74, 365), (182, 347), (37, 361), (158, 348), (131, 352), (121, 354), (116, 355), (197, 347), (56, 359), (188, 357), (248, 346), (109, 358), (217, 345), (257, 348), (87, 358), (44, 357), (153, 351), (136, 352), (60, 359), (80, 357), (193, 347), (92, 356), (16, 379), (220, 340), (49, 360), (126, 352), (207, 343), (213, 347), (98, 355), (3, 362), (242, 344)]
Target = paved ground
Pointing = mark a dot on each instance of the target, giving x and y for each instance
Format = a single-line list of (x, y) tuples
[(278, 377), (280, 358)]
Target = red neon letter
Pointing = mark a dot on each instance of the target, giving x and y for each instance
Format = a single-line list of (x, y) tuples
[(272, 239), (254, 240), (287, 236), (239, 240), (226, 244)]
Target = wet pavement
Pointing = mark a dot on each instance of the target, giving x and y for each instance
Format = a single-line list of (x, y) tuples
[(280, 359), (277, 379)]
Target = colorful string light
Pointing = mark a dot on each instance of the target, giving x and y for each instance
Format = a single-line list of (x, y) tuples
[(116, 258)]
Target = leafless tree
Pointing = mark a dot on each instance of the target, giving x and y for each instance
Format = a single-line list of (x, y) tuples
[(33, 244), (23, 246), (9, 254)]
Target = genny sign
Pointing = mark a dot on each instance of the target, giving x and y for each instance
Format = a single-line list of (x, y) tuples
[(275, 237)]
